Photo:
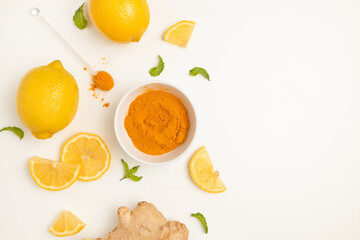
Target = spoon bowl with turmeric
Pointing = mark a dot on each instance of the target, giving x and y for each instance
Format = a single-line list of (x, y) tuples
[(155, 123)]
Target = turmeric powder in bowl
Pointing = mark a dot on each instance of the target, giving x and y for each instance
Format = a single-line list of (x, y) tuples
[(157, 122)]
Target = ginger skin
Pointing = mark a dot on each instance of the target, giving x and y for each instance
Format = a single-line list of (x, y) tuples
[(145, 222)]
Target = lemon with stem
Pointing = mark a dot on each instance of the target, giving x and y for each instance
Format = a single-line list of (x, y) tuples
[(47, 99), (122, 21)]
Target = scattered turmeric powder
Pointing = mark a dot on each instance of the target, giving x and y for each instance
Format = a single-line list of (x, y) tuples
[(157, 122), (95, 95), (103, 80), (105, 61), (92, 87)]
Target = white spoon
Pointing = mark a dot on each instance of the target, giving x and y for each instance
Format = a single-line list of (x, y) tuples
[(36, 13)]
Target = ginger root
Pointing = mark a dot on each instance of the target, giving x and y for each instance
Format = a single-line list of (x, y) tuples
[(145, 222)]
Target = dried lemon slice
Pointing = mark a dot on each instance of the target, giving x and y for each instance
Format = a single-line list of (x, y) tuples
[(90, 151), (66, 224), (180, 33), (52, 175), (203, 174)]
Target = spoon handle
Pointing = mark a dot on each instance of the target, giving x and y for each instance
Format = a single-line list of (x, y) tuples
[(36, 13)]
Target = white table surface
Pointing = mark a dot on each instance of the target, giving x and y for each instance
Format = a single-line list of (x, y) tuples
[(280, 118)]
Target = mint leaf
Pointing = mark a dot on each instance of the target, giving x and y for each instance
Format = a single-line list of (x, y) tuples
[(202, 220), (129, 173), (196, 70), (135, 178), (16, 130), (155, 71), (79, 18), (134, 170), (126, 166)]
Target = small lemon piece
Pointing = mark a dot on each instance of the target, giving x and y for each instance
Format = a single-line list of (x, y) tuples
[(90, 151), (122, 21), (52, 175), (203, 174), (66, 224), (47, 99), (180, 33)]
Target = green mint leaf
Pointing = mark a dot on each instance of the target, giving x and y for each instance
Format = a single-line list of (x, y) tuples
[(135, 178), (126, 166), (202, 220), (196, 70), (79, 18), (155, 71), (16, 130), (134, 169), (129, 173)]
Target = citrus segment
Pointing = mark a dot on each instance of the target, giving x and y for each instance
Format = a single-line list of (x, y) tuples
[(53, 175), (66, 224), (180, 33), (203, 174), (90, 151)]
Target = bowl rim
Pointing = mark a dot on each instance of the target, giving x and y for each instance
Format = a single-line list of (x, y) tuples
[(143, 84)]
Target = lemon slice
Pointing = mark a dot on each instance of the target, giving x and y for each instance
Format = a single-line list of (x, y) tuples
[(180, 33), (53, 175), (203, 174), (66, 224), (90, 151)]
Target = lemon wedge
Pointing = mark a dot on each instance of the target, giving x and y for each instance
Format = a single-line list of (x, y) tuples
[(90, 151), (180, 33), (203, 174), (66, 224), (52, 175)]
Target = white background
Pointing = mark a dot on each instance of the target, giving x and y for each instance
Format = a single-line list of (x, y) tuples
[(280, 118)]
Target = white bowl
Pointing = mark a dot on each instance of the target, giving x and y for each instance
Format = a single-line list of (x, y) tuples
[(124, 139)]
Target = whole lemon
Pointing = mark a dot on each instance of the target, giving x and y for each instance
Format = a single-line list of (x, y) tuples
[(47, 99), (120, 20)]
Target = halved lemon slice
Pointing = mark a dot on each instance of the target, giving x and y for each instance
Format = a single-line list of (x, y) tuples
[(66, 224), (180, 33), (90, 151), (203, 174), (52, 175)]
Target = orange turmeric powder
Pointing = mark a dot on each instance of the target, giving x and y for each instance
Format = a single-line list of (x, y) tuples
[(103, 80), (157, 122)]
